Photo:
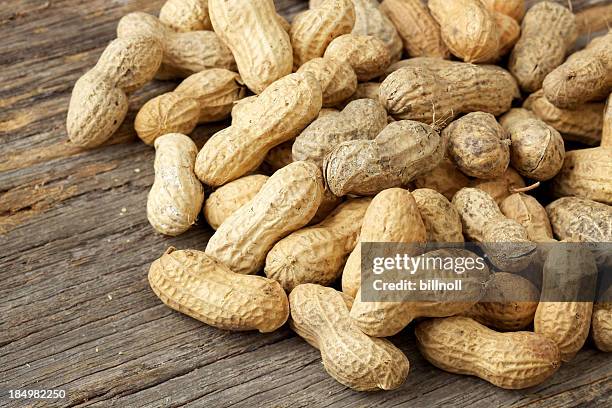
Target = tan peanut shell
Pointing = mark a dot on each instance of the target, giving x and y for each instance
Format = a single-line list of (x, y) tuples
[(528, 212), (367, 55), (445, 178), (500, 187), (337, 78), (227, 199), (579, 219), (476, 208), (548, 33), (184, 53), (585, 76), (206, 96), (370, 20), (257, 39), (285, 203), (537, 150), (387, 318), (176, 197), (393, 216), (320, 316), (403, 150), (327, 206), (317, 254), (478, 145), (461, 345), (185, 15), (362, 119), (278, 157), (512, 8), (586, 173), (509, 303), (606, 133), (441, 219), (509, 33), (419, 32), (198, 285), (601, 323), (435, 91), (276, 116), (566, 321), (468, 29), (580, 124), (313, 30), (99, 101)]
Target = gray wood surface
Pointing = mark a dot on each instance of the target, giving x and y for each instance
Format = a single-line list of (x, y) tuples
[(76, 312)]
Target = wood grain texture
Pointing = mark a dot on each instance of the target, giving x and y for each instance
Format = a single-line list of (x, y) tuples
[(76, 311)]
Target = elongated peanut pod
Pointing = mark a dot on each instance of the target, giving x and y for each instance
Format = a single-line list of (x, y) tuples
[(320, 316), (198, 285), (461, 345), (286, 202)]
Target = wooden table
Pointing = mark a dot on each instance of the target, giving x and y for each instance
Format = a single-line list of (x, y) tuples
[(76, 312)]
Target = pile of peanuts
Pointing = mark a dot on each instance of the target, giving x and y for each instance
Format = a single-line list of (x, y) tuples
[(335, 140)]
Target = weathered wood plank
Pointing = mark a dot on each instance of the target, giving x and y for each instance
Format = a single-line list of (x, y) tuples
[(76, 311)]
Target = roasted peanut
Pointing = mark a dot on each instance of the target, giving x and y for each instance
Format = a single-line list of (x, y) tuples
[(441, 219), (537, 150), (580, 124), (367, 55), (478, 145), (393, 216), (399, 153), (227, 199), (567, 321), (528, 212), (99, 101), (362, 119), (387, 318), (320, 316), (184, 53), (185, 15), (317, 254), (445, 178), (468, 29), (500, 187), (313, 30), (509, 303), (419, 31), (198, 285), (237, 23), (285, 203), (461, 345), (176, 197), (434, 91), (585, 76), (206, 96), (586, 173), (505, 240), (274, 117), (338, 80), (579, 219), (548, 33)]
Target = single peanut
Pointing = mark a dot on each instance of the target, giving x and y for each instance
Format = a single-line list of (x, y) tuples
[(227, 199), (320, 316), (317, 254), (579, 219), (285, 203), (206, 96), (367, 55), (238, 23), (313, 30), (184, 53), (461, 345), (277, 115), (528, 212), (99, 100), (370, 20), (198, 285), (548, 33), (399, 153)]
